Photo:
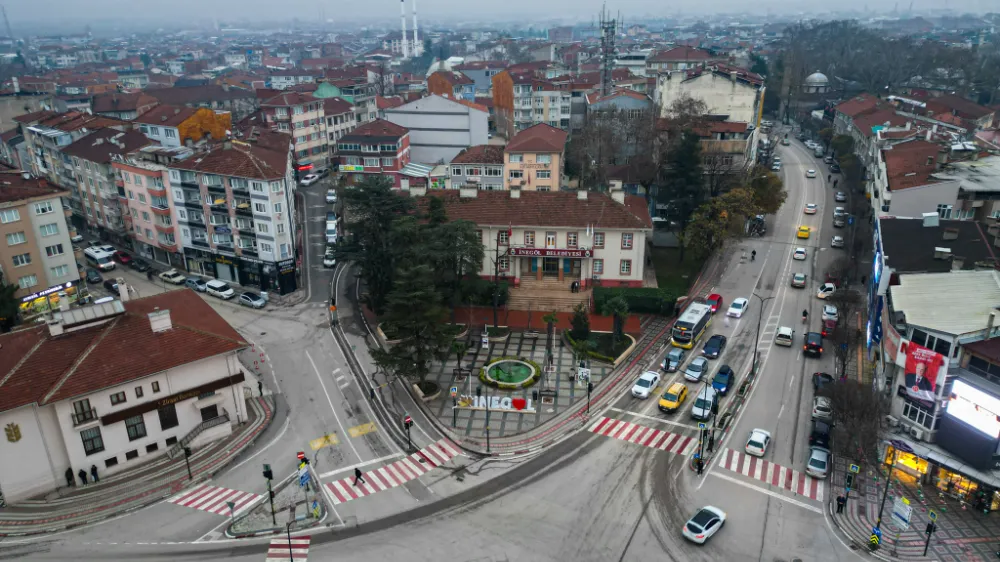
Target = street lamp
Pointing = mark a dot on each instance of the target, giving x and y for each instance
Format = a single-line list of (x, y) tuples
[(756, 341), (897, 446)]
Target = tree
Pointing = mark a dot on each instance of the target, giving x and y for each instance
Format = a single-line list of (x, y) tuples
[(842, 145), (847, 335), (859, 422), (383, 76), (617, 308), (826, 135), (147, 61), (550, 320), (453, 249), (580, 323), (9, 305), (759, 65), (766, 191), (682, 187), (717, 220)]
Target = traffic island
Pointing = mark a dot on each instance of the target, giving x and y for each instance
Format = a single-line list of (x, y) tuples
[(297, 505)]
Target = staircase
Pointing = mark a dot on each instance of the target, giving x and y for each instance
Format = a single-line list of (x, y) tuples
[(546, 295), (187, 439)]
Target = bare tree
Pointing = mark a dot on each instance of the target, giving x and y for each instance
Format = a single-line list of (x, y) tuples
[(846, 335), (859, 422)]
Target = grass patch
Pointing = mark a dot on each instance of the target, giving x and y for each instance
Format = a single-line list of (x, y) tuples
[(671, 275), (605, 344)]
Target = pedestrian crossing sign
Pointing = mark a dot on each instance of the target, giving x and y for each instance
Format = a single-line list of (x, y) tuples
[(855, 468)]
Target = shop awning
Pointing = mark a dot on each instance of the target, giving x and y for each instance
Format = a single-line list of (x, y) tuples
[(934, 454)]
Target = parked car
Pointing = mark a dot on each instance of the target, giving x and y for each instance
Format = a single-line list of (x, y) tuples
[(673, 398), (646, 384), (840, 197), (715, 301), (837, 242), (822, 408), (776, 167), (173, 277), (723, 379), (818, 465), (757, 442), (839, 222), (672, 362), (828, 159), (331, 196), (219, 289), (309, 179), (835, 168), (714, 347), (329, 259), (141, 266), (122, 257), (830, 312), (704, 524), (825, 290), (820, 380), (111, 286), (253, 300), (819, 434), (76, 238), (799, 280), (738, 307), (696, 369), (94, 276), (196, 283)]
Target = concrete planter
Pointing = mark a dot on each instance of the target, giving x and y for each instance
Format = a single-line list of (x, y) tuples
[(383, 338), (463, 334), (499, 339), (424, 397)]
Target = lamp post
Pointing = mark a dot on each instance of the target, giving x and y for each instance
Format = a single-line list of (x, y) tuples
[(756, 341), (897, 446), (496, 274)]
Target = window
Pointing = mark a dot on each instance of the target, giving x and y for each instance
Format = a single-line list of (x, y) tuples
[(516, 174), (276, 187), (118, 398), (136, 427), (262, 227), (108, 463), (494, 172), (60, 271), (504, 263), (529, 238), (257, 187), (285, 251), (503, 237), (170, 133), (54, 250), (543, 174), (457, 171), (626, 267), (571, 239), (145, 215), (277, 207), (15, 238), (92, 442), (279, 228), (516, 158), (260, 207), (170, 441), (151, 448), (133, 454), (371, 162), (936, 344), (138, 181), (168, 417), (388, 161), (550, 239), (9, 215), (626, 241), (27, 282), (142, 198), (138, 392), (265, 247), (544, 159), (50, 229), (21, 260), (43, 208), (598, 267), (944, 211), (918, 414), (598, 239), (131, 195)]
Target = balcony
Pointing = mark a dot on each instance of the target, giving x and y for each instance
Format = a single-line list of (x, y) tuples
[(168, 246), (201, 243), (159, 210), (196, 205), (216, 188), (196, 220), (228, 248), (189, 184), (164, 228), (244, 211), (84, 417), (240, 190), (157, 191)]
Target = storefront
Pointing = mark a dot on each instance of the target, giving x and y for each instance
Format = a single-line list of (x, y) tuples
[(225, 268), (286, 276), (252, 274), (199, 262), (48, 300), (926, 466)]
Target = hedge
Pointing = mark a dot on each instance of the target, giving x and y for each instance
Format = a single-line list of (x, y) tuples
[(590, 353), (648, 300)]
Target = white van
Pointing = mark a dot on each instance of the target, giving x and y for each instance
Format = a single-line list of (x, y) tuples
[(100, 258), (702, 408), (784, 336), (219, 289), (331, 232)]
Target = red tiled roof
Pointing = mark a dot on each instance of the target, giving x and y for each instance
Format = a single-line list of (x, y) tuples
[(388, 102), (473, 105), (115, 101), (547, 209), (906, 164), (481, 65), (102, 143), (240, 160), (288, 99), (538, 138), (721, 127), (39, 368), (453, 77), (33, 117), (379, 128), (480, 154), (867, 120), (619, 92), (166, 115), (336, 106), (966, 109), (681, 53), (857, 105), (13, 187)]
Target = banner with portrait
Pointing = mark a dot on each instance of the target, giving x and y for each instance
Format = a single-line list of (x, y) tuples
[(922, 367)]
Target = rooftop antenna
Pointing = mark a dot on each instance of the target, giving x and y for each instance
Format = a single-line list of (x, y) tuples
[(6, 22), (609, 31)]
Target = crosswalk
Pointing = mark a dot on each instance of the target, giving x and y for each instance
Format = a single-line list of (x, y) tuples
[(281, 550), (776, 475), (645, 436), (214, 499), (393, 475)]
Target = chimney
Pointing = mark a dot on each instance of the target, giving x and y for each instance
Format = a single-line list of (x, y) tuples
[(942, 253), (468, 193), (177, 110), (929, 133), (957, 263), (950, 233), (225, 87), (227, 145), (17, 85), (733, 74), (931, 219), (417, 47), (55, 328), (581, 195), (26, 175), (163, 118), (402, 19), (989, 323), (515, 192), (159, 320), (122, 289), (618, 195), (908, 123)]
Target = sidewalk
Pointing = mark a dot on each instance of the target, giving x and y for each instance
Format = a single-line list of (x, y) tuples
[(133, 489), (963, 533)]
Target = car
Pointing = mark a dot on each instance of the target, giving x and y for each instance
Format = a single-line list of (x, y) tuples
[(840, 197), (839, 212), (799, 254), (329, 258), (122, 257), (820, 380), (173, 277), (811, 208), (837, 242), (714, 346), (322, 172), (723, 379), (757, 442), (219, 289), (799, 280), (704, 524), (819, 434), (111, 286), (738, 307), (196, 283), (835, 168), (822, 408), (107, 248), (812, 145), (331, 196), (776, 167), (76, 238), (813, 344), (309, 179), (646, 384), (828, 159), (672, 362), (776, 159), (830, 312), (810, 173), (825, 290), (715, 301), (141, 266), (253, 300), (785, 142), (94, 276), (696, 369), (818, 465), (673, 398), (803, 232), (784, 336), (705, 404)]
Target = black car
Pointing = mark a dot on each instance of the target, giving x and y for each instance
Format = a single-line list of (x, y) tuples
[(835, 168), (820, 434), (111, 286), (820, 380), (723, 380), (814, 344), (714, 346), (139, 265), (94, 276)]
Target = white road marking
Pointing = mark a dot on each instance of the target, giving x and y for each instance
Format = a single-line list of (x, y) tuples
[(775, 495), (659, 420), (780, 410), (330, 401)]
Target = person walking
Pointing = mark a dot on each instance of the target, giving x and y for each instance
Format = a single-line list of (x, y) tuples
[(83, 476), (699, 466), (93, 473), (69, 478), (841, 500), (260, 388), (358, 475)]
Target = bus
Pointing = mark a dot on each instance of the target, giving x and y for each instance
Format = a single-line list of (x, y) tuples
[(691, 325)]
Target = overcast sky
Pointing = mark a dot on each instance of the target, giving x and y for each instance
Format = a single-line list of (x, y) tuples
[(173, 11)]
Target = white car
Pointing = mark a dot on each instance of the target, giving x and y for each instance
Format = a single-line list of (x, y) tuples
[(738, 307), (173, 277), (646, 384), (696, 369), (776, 167), (810, 173), (825, 290), (757, 442), (837, 242), (818, 464), (331, 196), (830, 313), (309, 179), (76, 238), (219, 289), (704, 524), (811, 208), (822, 409), (329, 259), (799, 254)]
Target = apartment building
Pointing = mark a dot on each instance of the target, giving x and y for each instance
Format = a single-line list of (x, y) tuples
[(174, 125), (285, 79), (35, 250), (535, 158), (451, 83), (441, 127), (479, 167), (303, 117), (122, 106), (521, 100), (340, 120), (46, 133), (481, 73), (379, 147), (239, 102), (357, 91), (728, 91), (681, 57), (236, 211)]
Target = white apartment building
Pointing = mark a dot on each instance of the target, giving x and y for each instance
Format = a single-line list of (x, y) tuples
[(303, 117), (536, 101), (440, 127), (729, 91)]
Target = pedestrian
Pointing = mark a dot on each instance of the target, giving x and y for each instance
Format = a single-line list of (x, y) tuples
[(699, 466), (726, 320), (829, 177), (260, 387), (841, 501), (358, 475), (83, 476), (69, 477), (93, 473)]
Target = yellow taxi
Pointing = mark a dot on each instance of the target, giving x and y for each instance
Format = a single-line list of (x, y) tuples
[(673, 397), (803, 232)]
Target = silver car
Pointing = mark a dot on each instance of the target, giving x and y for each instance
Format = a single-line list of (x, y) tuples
[(253, 300), (818, 464), (837, 242), (822, 409), (696, 369), (704, 524)]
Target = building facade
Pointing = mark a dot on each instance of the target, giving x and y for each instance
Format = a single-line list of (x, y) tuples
[(727, 91), (303, 117), (479, 167), (440, 128), (379, 147), (534, 159), (173, 126)]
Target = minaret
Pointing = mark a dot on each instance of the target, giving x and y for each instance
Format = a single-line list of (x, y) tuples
[(402, 18), (417, 47)]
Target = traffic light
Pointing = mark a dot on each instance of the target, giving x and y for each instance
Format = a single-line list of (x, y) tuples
[(187, 451), (268, 473), (407, 422), (850, 480), (931, 527)]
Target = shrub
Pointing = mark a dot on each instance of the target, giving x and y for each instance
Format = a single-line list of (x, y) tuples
[(649, 300), (479, 292)]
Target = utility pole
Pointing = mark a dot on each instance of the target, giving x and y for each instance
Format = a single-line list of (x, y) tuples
[(269, 475), (756, 341), (897, 446), (407, 424)]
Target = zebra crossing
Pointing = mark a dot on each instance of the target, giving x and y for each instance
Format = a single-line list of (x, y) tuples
[(394, 474), (283, 550), (214, 499), (776, 475), (645, 436)]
